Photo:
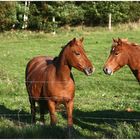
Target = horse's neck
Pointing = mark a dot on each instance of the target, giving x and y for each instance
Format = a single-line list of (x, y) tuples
[(62, 69), (134, 57), (134, 61)]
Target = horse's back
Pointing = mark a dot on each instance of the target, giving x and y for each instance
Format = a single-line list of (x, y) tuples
[(35, 74)]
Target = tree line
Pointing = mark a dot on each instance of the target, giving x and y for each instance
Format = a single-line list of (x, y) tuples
[(39, 15)]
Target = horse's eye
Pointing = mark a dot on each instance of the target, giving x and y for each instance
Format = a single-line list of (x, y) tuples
[(77, 53), (116, 53)]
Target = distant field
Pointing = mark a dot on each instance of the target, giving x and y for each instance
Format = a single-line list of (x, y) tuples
[(101, 101)]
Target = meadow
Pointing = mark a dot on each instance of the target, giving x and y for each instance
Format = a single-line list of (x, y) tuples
[(102, 102)]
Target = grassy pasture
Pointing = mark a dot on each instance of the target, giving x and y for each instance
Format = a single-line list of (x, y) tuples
[(101, 101)]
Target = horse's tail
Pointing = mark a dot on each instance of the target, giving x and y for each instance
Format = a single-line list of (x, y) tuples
[(27, 82)]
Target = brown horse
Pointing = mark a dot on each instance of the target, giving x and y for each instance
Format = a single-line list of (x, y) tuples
[(50, 82), (123, 53)]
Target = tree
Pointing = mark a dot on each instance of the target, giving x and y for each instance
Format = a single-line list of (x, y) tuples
[(89, 13), (7, 15)]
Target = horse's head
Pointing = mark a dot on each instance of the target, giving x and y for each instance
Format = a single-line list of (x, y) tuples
[(76, 57), (118, 56)]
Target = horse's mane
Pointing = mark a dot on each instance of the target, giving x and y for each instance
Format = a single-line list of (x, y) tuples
[(63, 48), (56, 59), (130, 43), (126, 42)]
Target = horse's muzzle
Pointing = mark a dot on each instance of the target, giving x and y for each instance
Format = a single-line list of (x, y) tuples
[(88, 71), (107, 71)]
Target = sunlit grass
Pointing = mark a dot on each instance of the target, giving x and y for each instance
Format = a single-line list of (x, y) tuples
[(101, 101)]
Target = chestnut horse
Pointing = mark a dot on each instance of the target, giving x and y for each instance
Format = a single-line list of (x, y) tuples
[(49, 81), (123, 53)]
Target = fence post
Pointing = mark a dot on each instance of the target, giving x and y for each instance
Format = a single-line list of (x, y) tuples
[(109, 22), (53, 20), (25, 16)]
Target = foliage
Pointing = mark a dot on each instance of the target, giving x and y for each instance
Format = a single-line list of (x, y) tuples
[(134, 13), (7, 15), (20, 11), (96, 13), (70, 14), (90, 13)]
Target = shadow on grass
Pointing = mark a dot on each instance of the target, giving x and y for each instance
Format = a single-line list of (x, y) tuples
[(34, 131), (19, 116), (108, 116), (93, 120), (23, 128)]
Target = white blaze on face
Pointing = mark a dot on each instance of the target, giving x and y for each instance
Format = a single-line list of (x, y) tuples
[(113, 48)]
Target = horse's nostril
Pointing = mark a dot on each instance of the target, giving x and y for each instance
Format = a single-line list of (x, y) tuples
[(88, 70), (107, 70), (91, 70)]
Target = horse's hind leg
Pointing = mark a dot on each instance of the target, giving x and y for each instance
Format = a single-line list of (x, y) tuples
[(33, 110), (42, 105), (32, 102)]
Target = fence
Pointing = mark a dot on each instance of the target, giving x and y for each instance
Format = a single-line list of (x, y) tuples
[(19, 114)]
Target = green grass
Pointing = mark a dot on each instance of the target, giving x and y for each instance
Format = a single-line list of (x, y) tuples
[(100, 100)]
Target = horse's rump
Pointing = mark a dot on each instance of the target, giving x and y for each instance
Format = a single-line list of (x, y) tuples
[(35, 75)]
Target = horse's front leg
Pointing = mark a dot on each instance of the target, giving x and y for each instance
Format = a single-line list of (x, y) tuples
[(51, 106), (69, 108)]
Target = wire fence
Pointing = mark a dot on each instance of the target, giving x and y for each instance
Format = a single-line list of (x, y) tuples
[(81, 99), (26, 118), (19, 115)]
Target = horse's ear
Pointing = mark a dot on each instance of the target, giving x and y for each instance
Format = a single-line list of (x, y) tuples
[(114, 40), (62, 47), (82, 39), (73, 42), (74, 39), (119, 41)]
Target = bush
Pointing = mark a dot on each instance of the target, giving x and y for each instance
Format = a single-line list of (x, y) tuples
[(89, 13), (96, 13), (39, 19), (70, 14), (134, 13), (20, 9), (7, 15)]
